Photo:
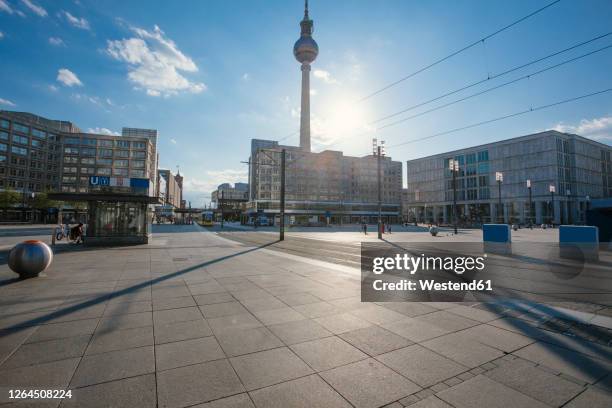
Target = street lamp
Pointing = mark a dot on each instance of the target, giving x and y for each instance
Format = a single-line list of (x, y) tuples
[(453, 166), (588, 205), (552, 189), (530, 208), (499, 177), (378, 150)]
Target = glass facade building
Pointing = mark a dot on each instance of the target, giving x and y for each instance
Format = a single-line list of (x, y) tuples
[(579, 169)]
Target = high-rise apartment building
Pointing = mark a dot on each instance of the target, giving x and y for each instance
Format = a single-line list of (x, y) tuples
[(170, 188)]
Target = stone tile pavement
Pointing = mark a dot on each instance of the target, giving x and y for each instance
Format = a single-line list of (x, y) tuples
[(194, 320)]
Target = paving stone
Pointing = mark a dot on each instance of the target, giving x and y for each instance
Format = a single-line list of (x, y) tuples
[(269, 367), (213, 298), (473, 313), (126, 393), (198, 383), (166, 333), (394, 405), (238, 342), (439, 387), (414, 330), (173, 303), (278, 316), (591, 398), (103, 342), (421, 365), (447, 321), (477, 370), (453, 381), (127, 321), (524, 377), (182, 353), (115, 365), (222, 309), (465, 376), (409, 400), (430, 402), (409, 309), (47, 351), (320, 309), (495, 337), (62, 330), (54, 375), (375, 340), (566, 361), (369, 383), (299, 331), (424, 393), (176, 315), (206, 288), (306, 392), (377, 314), (481, 391), (462, 349), (236, 322), (264, 303), (235, 401), (342, 323), (295, 299), (326, 353), (114, 309)]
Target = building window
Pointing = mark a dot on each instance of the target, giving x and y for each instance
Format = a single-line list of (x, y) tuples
[(120, 163), (19, 150), (89, 142), (138, 164), (105, 143), (21, 128), (483, 156), (3, 135), (104, 171), (36, 143), (122, 153), (88, 151), (137, 173), (120, 172), (3, 147), (105, 162), (69, 179), (105, 153), (69, 159), (139, 145), (88, 160), (137, 155), (20, 139), (72, 140), (71, 150), (39, 133), (483, 168), (4, 124), (70, 169), (122, 143), (87, 170), (2, 158)]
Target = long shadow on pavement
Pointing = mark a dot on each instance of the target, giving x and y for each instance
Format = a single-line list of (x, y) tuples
[(100, 299)]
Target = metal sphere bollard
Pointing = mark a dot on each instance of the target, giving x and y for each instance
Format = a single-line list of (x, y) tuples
[(30, 258), (433, 230), (515, 227)]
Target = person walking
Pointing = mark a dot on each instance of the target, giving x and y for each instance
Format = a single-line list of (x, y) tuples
[(364, 227)]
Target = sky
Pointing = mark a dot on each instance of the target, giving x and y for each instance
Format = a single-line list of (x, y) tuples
[(212, 75)]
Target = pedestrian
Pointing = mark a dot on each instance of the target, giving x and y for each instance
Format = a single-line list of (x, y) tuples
[(77, 233), (389, 228), (364, 227)]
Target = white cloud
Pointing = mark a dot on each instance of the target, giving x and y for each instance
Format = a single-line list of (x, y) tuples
[(68, 78), (56, 41), (213, 178), (77, 22), (173, 141), (4, 6), (313, 92), (6, 102), (103, 131), (35, 8), (154, 62), (1, 35), (325, 76), (246, 76), (599, 129)]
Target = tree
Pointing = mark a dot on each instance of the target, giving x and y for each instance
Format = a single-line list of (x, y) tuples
[(8, 198)]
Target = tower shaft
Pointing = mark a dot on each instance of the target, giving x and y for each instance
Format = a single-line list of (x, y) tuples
[(305, 109)]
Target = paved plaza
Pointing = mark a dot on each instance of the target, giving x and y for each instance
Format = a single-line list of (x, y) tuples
[(197, 319)]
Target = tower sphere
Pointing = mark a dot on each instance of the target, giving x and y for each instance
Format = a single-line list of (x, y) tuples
[(305, 49)]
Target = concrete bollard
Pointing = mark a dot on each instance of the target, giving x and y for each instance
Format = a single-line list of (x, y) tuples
[(579, 242), (497, 238)]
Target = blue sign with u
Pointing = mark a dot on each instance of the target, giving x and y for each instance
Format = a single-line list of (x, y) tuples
[(99, 181)]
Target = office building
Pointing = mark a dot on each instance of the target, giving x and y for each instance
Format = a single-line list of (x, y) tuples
[(170, 188), (565, 172), (40, 155), (323, 187)]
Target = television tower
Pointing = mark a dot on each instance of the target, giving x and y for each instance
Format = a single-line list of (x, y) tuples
[(305, 51)]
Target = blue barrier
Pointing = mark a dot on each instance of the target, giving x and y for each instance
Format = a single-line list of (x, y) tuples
[(497, 238), (579, 241)]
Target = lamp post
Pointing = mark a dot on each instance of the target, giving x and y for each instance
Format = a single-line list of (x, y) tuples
[(552, 189), (530, 208), (453, 166), (499, 177), (379, 151), (281, 235), (588, 205)]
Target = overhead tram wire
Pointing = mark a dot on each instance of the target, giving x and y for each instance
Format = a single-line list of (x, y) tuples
[(508, 71), (512, 115), (527, 76), (467, 47)]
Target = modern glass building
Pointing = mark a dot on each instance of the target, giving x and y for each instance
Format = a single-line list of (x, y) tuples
[(321, 186), (565, 172)]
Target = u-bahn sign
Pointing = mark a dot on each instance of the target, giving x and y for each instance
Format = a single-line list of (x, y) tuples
[(104, 181)]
